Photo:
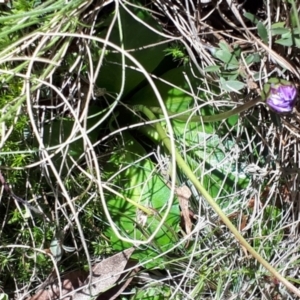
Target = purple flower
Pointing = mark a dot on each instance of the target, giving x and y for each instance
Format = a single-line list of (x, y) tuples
[(282, 98)]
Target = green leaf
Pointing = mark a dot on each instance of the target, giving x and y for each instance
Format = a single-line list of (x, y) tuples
[(252, 58), (226, 56), (232, 121), (262, 32), (231, 85), (194, 135), (231, 76), (237, 51), (223, 175), (293, 19), (285, 41), (212, 68), (280, 31), (278, 25), (139, 182), (251, 17), (136, 38), (174, 91), (223, 46), (175, 95)]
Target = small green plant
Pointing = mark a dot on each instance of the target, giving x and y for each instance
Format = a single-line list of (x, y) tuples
[(177, 52)]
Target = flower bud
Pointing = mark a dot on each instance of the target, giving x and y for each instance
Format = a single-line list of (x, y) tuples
[(282, 97)]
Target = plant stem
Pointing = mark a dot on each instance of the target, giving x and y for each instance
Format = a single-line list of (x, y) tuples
[(189, 173), (212, 118)]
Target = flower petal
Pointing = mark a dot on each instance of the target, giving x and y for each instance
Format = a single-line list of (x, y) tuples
[(287, 92), (282, 98)]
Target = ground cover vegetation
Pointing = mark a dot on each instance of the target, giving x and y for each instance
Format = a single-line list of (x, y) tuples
[(149, 149)]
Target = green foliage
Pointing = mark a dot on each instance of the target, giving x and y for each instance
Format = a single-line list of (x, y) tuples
[(23, 5), (230, 64), (262, 31), (266, 233), (138, 194), (176, 98), (65, 130), (153, 292), (101, 247), (18, 261), (148, 195), (285, 35), (111, 75), (14, 22), (177, 52), (208, 146)]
